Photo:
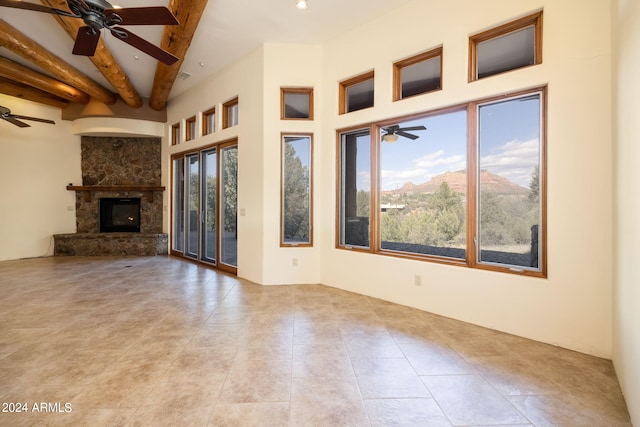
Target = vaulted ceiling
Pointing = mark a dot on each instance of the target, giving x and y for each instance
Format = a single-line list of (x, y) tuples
[(36, 62)]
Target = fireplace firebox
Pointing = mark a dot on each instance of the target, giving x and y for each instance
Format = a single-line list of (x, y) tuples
[(119, 214)]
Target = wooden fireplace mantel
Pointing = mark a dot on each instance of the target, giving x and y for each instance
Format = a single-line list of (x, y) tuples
[(89, 189)]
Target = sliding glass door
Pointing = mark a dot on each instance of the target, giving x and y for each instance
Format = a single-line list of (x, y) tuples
[(209, 207), (205, 200)]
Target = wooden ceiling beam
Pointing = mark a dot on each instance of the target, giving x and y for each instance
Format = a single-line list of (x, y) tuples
[(102, 59), (29, 93), (20, 44), (21, 74), (176, 39)]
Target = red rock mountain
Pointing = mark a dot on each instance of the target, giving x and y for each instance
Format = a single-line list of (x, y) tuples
[(458, 182)]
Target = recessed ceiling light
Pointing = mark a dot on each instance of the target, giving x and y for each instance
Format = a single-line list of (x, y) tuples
[(302, 4)]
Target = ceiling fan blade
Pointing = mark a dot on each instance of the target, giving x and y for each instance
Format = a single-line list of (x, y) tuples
[(34, 119), (414, 128), (407, 135), (32, 6), (86, 41), (16, 122), (154, 15), (143, 45)]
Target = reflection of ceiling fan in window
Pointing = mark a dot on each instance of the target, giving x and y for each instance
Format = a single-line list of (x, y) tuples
[(5, 114), (391, 133), (99, 14)]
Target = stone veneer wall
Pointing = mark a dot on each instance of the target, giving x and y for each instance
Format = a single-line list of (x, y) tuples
[(117, 161), (120, 161)]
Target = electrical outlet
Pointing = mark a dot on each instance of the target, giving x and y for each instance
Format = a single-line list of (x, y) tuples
[(294, 262), (417, 280)]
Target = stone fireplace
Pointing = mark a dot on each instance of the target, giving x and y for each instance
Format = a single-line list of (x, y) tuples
[(123, 170)]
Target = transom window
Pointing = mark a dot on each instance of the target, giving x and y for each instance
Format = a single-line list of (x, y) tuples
[(356, 93), (296, 103), (462, 185), (508, 47), (190, 128), (230, 113), (417, 75), (175, 134), (209, 121)]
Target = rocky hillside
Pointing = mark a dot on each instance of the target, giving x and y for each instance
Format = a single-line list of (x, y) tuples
[(458, 182)]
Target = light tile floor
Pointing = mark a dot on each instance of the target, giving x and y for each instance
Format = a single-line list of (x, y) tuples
[(158, 341)]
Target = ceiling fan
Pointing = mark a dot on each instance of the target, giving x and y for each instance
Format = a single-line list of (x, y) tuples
[(5, 114), (391, 132), (99, 14)]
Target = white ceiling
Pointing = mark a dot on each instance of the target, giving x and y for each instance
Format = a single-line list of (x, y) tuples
[(228, 30)]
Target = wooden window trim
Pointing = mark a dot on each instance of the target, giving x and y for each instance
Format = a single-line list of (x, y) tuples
[(286, 90), (175, 134), (534, 19), (310, 242), (225, 112), (472, 164), (345, 84), (398, 66), (205, 121), (190, 128)]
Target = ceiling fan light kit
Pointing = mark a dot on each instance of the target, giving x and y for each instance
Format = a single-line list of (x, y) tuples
[(391, 133), (100, 14)]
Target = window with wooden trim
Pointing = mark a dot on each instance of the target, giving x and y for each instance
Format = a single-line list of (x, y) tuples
[(296, 225), (356, 93), (175, 134), (209, 121), (296, 103), (417, 75), (507, 47), (190, 128), (230, 113), (463, 185)]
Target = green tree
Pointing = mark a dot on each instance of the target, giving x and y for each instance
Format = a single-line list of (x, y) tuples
[(296, 196), (449, 217), (534, 186), (230, 188)]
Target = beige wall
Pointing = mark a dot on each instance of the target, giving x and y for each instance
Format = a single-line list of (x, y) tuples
[(573, 307), (36, 165), (626, 320), (245, 81)]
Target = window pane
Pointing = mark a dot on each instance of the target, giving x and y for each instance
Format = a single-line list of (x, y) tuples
[(296, 105), (355, 188), (178, 205), (360, 95), (505, 53), (421, 77), (296, 190), (190, 128), (229, 206), (509, 190), (193, 205), (209, 122), (209, 208), (232, 115), (423, 181)]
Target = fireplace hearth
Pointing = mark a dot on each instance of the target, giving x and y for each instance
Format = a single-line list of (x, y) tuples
[(119, 205)]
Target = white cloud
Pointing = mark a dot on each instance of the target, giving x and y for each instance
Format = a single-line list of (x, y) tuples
[(514, 160)]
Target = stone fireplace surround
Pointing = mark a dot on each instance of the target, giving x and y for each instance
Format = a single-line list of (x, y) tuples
[(124, 167)]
